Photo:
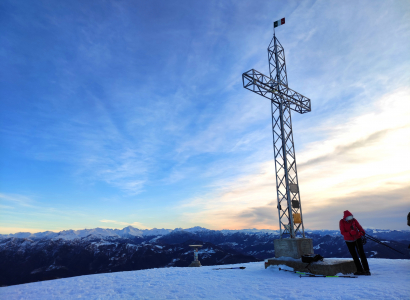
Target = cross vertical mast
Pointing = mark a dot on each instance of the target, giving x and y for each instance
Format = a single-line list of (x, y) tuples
[(285, 161)]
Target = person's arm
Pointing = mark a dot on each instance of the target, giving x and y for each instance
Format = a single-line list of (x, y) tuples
[(342, 228), (360, 228)]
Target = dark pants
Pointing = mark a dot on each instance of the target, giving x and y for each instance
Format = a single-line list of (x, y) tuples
[(358, 244)]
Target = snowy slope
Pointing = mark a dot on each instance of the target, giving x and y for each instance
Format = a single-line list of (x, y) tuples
[(390, 280)]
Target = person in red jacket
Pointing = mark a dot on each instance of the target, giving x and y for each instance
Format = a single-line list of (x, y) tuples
[(352, 233)]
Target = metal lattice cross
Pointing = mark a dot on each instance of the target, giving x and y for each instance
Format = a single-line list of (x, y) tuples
[(283, 100)]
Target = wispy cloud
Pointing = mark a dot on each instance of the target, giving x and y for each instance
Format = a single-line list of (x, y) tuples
[(384, 207), (372, 167), (259, 216), (6, 207), (347, 151), (20, 200)]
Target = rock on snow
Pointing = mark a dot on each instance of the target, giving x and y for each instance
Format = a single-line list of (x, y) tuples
[(390, 280)]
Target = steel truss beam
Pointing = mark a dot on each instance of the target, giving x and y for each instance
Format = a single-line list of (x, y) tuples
[(283, 100), (269, 88)]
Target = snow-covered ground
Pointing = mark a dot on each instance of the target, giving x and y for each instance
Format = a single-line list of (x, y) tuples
[(390, 280)]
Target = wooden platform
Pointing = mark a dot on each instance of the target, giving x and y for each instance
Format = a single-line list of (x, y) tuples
[(328, 267)]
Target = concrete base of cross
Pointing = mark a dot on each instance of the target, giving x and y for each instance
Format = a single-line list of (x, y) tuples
[(327, 267), (294, 248), (195, 264)]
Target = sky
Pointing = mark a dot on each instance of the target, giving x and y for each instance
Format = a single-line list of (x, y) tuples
[(118, 113)]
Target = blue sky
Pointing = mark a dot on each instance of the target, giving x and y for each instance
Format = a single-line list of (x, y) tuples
[(117, 113)]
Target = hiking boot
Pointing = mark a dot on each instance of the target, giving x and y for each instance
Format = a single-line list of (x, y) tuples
[(359, 273)]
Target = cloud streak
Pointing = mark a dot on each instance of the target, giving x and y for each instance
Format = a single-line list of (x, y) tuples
[(369, 171), (20, 200), (345, 151)]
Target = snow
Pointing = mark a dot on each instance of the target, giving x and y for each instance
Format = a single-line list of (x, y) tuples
[(54, 267), (252, 231), (374, 253), (389, 280), (195, 229), (134, 247), (288, 258), (207, 250), (317, 246), (326, 261), (382, 231), (332, 261), (98, 244)]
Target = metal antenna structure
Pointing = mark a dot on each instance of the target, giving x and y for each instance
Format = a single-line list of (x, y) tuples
[(283, 99)]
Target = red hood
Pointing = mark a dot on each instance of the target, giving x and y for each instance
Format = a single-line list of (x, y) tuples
[(346, 213)]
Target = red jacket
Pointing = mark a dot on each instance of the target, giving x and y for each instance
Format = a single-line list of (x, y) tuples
[(351, 230)]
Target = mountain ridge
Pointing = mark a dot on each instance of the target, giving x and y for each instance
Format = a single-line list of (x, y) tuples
[(71, 234)]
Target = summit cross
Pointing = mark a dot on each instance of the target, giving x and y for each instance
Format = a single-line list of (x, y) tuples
[(283, 99)]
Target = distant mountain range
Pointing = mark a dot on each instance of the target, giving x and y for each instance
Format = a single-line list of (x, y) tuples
[(26, 257), (131, 231), (98, 232), (125, 232)]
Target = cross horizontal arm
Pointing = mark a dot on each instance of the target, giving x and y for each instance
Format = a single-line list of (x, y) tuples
[(268, 88)]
